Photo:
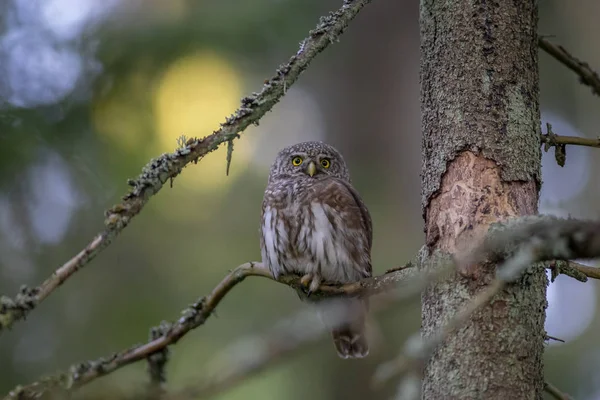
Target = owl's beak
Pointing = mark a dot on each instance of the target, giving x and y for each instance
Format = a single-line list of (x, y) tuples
[(311, 169)]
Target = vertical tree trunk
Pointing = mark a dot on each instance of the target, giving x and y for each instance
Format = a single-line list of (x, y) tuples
[(481, 164)]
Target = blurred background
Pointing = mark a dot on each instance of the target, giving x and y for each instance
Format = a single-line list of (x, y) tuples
[(91, 90)]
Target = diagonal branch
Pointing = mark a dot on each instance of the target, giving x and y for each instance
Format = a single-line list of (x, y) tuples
[(518, 244), (166, 167), (192, 317), (586, 75), (555, 392), (418, 350)]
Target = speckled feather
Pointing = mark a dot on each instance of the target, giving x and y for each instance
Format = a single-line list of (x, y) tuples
[(318, 225)]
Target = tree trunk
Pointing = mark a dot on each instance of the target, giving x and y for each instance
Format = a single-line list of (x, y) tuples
[(481, 164)]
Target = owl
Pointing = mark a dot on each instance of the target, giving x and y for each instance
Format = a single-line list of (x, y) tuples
[(315, 224)]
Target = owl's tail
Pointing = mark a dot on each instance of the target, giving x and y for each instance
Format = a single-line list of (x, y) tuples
[(349, 337), (350, 342)]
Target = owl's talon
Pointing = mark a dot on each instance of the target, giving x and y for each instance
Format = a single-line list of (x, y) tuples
[(310, 283), (314, 284), (306, 280)]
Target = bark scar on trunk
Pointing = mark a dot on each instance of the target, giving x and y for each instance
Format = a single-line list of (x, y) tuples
[(472, 196)]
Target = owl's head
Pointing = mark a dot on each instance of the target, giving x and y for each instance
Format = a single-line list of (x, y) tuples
[(309, 160)]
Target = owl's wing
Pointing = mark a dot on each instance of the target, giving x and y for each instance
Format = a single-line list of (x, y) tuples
[(364, 213), (342, 196)]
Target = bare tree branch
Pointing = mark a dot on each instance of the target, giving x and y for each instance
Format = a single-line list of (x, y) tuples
[(586, 75), (554, 140), (555, 392), (548, 338), (192, 317), (589, 272), (536, 239), (554, 239), (575, 270), (550, 139), (166, 167)]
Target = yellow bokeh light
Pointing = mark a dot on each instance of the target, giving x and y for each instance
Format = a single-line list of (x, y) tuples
[(192, 98), (120, 116)]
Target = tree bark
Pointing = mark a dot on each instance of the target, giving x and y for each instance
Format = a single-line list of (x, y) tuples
[(481, 164)]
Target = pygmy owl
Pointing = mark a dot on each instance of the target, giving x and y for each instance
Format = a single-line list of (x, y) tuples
[(315, 224)]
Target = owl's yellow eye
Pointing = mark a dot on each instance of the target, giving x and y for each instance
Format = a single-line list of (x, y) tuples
[(296, 161), (325, 163)]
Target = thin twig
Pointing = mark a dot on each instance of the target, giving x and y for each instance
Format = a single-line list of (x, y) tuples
[(590, 272), (157, 361), (570, 140), (575, 270), (586, 75), (398, 268), (548, 338), (555, 392), (164, 168), (550, 139), (229, 156)]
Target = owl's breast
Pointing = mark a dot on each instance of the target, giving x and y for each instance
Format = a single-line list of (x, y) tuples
[(329, 246), (311, 237)]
